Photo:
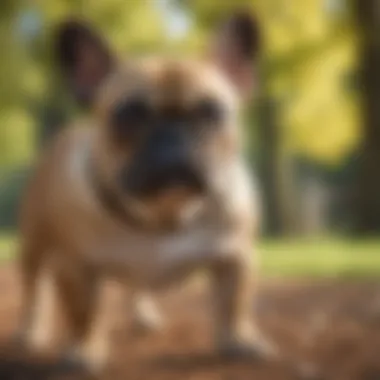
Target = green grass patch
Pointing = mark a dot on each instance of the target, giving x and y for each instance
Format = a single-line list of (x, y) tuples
[(317, 257), (321, 257), (8, 244)]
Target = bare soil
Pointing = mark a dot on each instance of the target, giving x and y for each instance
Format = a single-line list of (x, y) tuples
[(324, 330)]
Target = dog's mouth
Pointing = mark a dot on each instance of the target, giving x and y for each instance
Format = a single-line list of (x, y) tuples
[(163, 196), (178, 181), (166, 209), (148, 199), (173, 208)]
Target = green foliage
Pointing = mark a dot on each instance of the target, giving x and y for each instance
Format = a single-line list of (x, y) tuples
[(308, 62), (309, 54), (308, 58), (32, 103), (28, 86)]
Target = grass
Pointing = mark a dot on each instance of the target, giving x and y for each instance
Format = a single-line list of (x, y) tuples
[(330, 257), (8, 244), (323, 257)]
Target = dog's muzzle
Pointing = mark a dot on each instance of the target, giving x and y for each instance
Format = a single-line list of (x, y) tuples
[(164, 164)]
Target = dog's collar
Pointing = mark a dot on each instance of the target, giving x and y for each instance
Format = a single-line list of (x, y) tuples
[(110, 201)]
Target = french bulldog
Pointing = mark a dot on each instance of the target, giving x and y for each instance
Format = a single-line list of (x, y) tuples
[(148, 188)]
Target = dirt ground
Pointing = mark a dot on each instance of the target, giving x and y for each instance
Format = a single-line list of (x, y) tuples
[(324, 330)]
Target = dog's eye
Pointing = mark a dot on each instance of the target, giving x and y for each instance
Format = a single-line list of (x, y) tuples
[(208, 111), (131, 114)]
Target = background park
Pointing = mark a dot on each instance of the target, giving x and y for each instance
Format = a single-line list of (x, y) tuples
[(314, 144)]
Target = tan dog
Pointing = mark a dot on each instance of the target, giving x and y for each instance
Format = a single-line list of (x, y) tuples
[(149, 189)]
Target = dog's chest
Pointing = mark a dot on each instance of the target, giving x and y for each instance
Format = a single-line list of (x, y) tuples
[(153, 259), (148, 257)]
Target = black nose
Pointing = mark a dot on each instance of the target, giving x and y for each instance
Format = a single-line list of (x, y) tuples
[(166, 149), (165, 163)]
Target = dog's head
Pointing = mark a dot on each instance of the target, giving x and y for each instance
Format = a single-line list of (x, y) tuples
[(165, 124)]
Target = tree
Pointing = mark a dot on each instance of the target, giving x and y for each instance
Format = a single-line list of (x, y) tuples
[(306, 107), (367, 195), (31, 97)]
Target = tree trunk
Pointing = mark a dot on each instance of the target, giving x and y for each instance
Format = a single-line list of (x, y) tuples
[(277, 174), (367, 188)]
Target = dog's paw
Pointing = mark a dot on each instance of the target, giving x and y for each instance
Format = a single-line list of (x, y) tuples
[(259, 349), (16, 341), (71, 363), (24, 341)]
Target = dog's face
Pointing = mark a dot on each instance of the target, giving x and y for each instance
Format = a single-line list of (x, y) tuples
[(165, 125)]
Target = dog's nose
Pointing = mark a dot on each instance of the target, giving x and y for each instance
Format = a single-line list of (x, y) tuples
[(165, 163), (166, 149)]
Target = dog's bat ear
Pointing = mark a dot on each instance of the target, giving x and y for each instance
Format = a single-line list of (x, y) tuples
[(83, 58), (235, 49)]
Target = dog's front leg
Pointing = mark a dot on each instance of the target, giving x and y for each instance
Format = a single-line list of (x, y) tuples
[(83, 296), (40, 311), (235, 329), (146, 316), (91, 348)]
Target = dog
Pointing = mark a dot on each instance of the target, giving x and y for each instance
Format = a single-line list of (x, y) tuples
[(148, 188)]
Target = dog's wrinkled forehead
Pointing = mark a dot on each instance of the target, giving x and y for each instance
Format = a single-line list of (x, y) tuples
[(166, 83)]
